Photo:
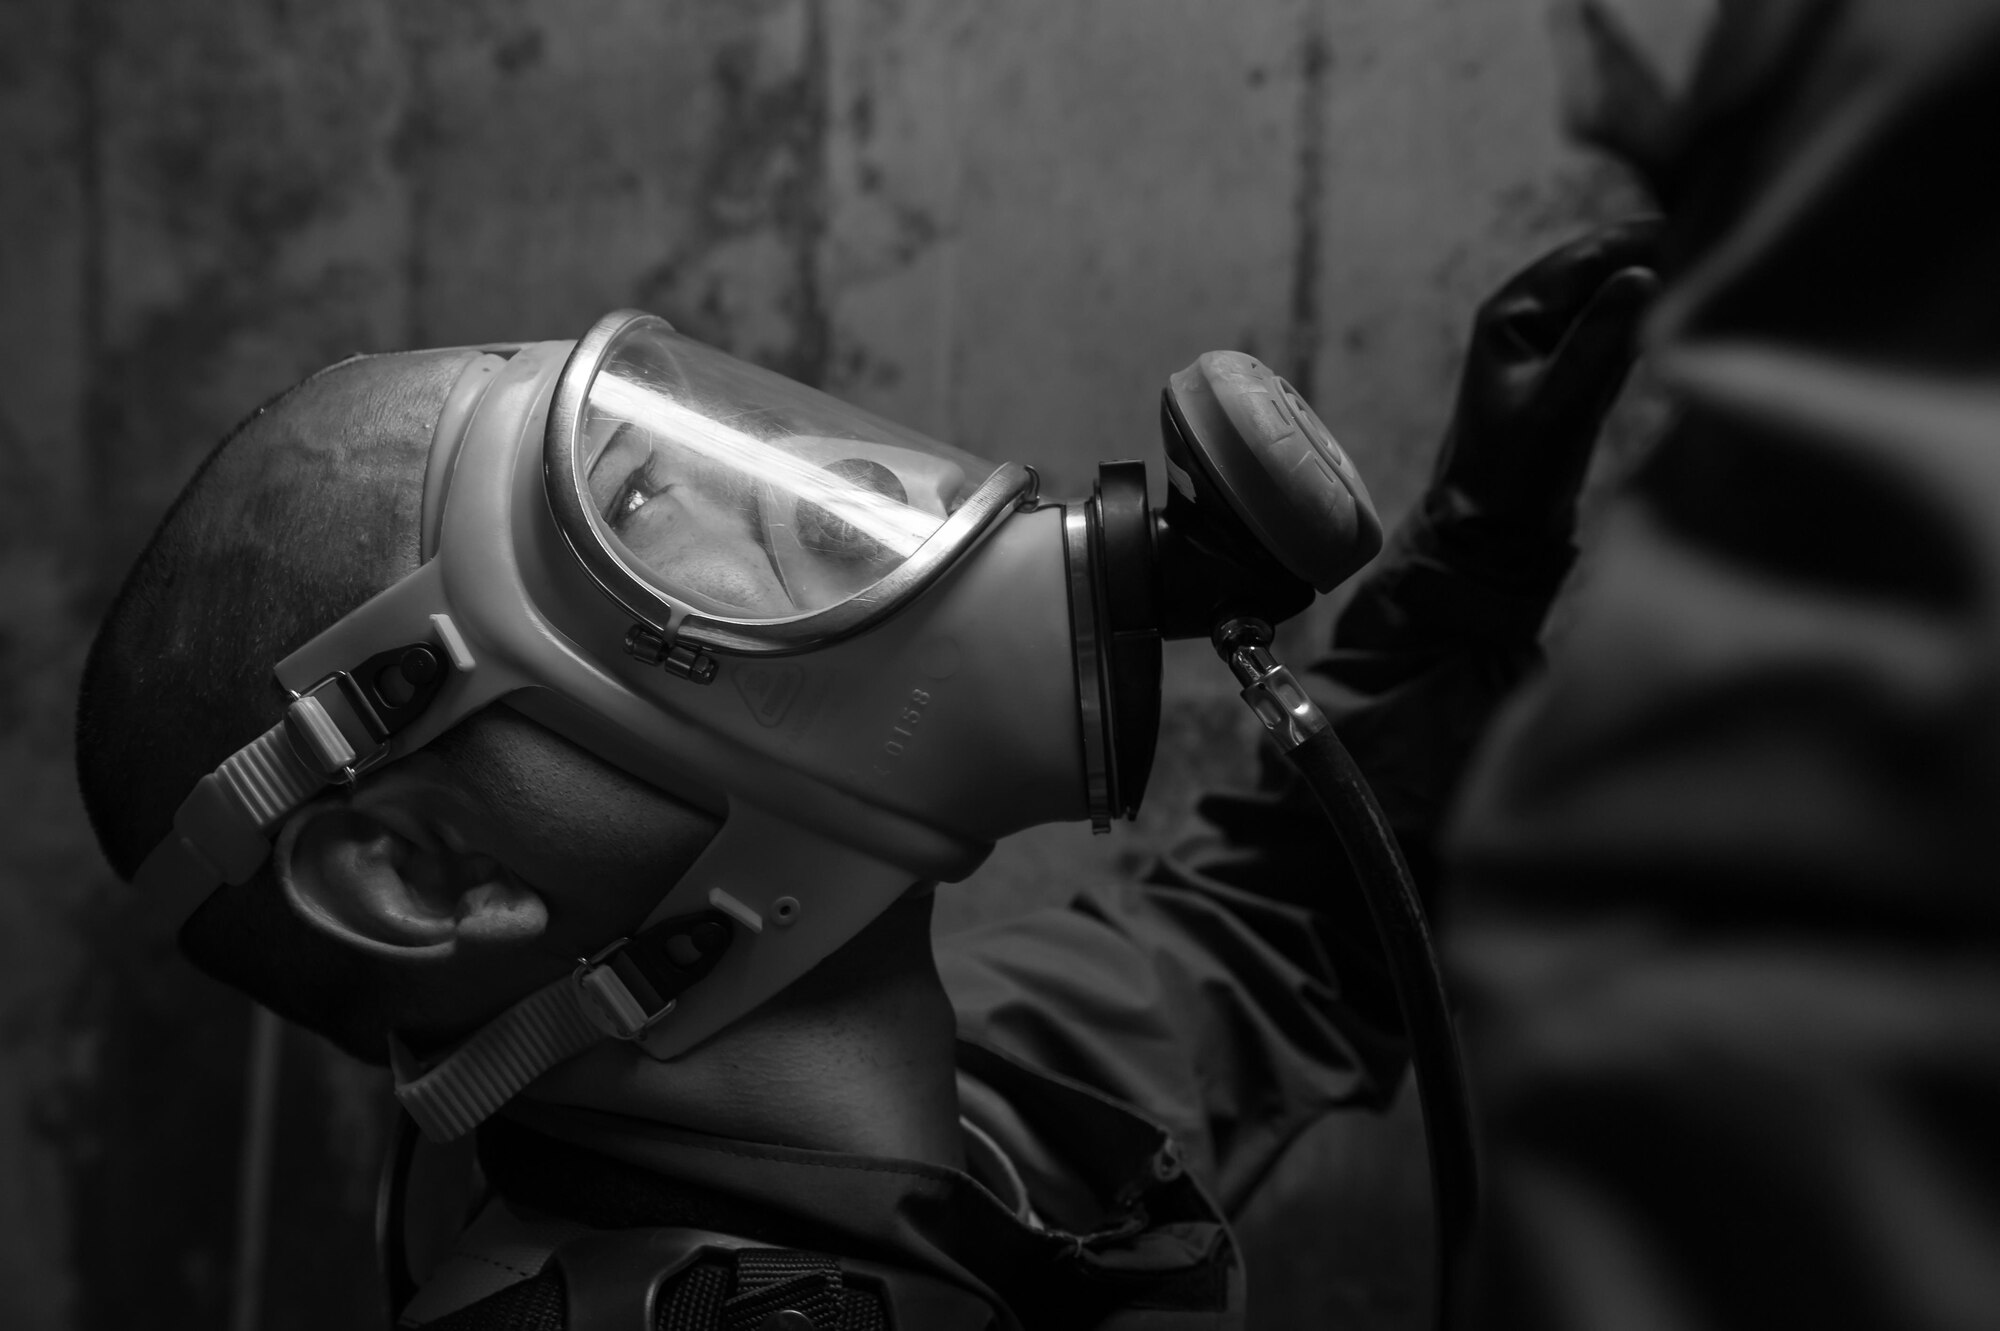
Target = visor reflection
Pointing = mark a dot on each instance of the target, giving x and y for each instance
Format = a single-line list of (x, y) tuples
[(886, 519), (737, 491)]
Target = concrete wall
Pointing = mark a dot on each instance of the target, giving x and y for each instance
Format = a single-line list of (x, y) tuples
[(1005, 224)]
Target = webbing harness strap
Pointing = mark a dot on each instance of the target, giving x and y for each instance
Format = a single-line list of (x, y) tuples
[(615, 1280), (620, 993), (657, 1280), (468, 1085), (332, 732), (772, 1281), (222, 829), (775, 1289)]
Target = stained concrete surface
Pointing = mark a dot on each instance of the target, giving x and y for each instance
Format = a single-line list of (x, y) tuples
[(1003, 224)]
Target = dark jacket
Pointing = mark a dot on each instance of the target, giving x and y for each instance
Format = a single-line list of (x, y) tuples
[(1725, 917)]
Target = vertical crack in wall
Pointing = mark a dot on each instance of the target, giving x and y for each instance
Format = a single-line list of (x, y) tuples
[(761, 189), (811, 349), (87, 40), (410, 154), (1302, 336)]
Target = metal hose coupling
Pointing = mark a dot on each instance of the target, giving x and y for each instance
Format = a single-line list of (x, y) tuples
[(1277, 698)]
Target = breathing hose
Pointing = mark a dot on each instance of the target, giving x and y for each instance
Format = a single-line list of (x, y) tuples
[(1310, 745)]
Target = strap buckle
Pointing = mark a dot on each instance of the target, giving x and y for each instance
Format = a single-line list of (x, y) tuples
[(331, 723), (346, 721), (612, 989)]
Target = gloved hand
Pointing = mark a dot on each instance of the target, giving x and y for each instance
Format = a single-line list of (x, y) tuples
[(1549, 352), (1444, 624)]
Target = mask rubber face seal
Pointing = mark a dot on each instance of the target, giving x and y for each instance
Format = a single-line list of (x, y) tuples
[(1130, 659)]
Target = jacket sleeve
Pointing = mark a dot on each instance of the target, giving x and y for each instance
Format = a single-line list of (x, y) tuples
[(1726, 919), (1234, 993)]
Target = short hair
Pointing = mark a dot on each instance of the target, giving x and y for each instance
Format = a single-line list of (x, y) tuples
[(304, 511)]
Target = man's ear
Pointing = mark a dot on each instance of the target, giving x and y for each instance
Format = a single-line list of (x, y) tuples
[(386, 882)]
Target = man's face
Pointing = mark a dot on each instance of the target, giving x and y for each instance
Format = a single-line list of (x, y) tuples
[(749, 495), (766, 527)]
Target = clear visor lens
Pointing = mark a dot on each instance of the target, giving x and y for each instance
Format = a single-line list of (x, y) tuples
[(746, 494)]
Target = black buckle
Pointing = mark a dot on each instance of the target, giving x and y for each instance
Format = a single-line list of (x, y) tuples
[(368, 706), (631, 986), (608, 999)]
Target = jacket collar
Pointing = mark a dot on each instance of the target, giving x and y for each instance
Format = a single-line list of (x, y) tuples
[(1153, 1239)]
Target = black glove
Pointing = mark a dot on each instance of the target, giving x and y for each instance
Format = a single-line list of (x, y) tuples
[(1549, 352), (1443, 625)]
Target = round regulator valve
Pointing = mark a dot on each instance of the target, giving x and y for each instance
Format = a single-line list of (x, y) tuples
[(1276, 465)]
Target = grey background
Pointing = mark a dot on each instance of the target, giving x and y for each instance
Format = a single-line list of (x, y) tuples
[(1002, 223)]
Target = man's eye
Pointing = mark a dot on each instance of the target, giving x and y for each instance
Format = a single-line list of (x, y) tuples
[(639, 486)]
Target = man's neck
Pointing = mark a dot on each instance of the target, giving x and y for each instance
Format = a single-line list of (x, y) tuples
[(856, 1056)]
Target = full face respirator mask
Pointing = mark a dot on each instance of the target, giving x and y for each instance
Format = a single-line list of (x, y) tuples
[(872, 654)]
